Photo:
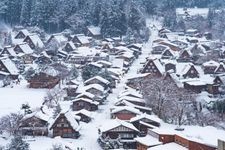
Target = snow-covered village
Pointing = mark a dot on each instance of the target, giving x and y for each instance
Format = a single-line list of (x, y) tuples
[(112, 75)]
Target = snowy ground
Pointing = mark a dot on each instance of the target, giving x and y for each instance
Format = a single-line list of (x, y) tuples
[(11, 99), (14, 97)]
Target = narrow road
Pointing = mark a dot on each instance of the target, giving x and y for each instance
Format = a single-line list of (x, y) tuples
[(89, 132)]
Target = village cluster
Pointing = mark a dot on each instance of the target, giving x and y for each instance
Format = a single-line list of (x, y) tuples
[(192, 60)]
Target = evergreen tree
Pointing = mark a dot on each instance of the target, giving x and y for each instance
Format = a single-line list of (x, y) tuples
[(89, 71), (25, 12), (26, 108)]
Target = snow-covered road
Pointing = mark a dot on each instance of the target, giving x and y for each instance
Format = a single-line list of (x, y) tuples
[(89, 132)]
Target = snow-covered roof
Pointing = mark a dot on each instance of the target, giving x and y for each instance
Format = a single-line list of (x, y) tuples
[(88, 94), (168, 146), (86, 100), (25, 48), (133, 99), (145, 116), (103, 62), (96, 64), (36, 40), (25, 32), (59, 37), (99, 78), (131, 92), (95, 30), (95, 86), (133, 105), (193, 133), (83, 39), (71, 118), (127, 108), (117, 63), (72, 44), (37, 114), (11, 51), (11, 67), (84, 112), (159, 66), (149, 140), (114, 123)]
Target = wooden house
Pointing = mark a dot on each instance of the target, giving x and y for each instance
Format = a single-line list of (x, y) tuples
[(158, 49), (34, 41), (189, 71), (180, 43), (131, 93), (66, 125), (84, 114), (124, 112), (69, 47), (43, 80), (185, 55), (98, 80), (22, 34), (142, 109), (86, 95), (154, 67), (172, 46), (170, 66), (43, 58), (71, 88), (97, 90), (35, 124), (105, 64), (135, 46), (221, 144), (84, 103), (144, 121), (114, 129), (220, 69), (133, 100), (94, 32), (168, 54), (57, 39), (23, 48), (209, 67), (81, 40), (8, 51), (7, 66), (146, 142)]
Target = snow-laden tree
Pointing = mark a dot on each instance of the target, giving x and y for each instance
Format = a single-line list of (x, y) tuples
[(169, 102), (53, 97), (57, 110), (89, 71), (17, 143), (57, 147), (10, 123)]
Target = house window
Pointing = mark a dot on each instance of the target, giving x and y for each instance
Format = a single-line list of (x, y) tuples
[(192, 71), (126, 135)]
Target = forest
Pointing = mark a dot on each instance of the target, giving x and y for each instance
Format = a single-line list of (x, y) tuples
[(115, 17)]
